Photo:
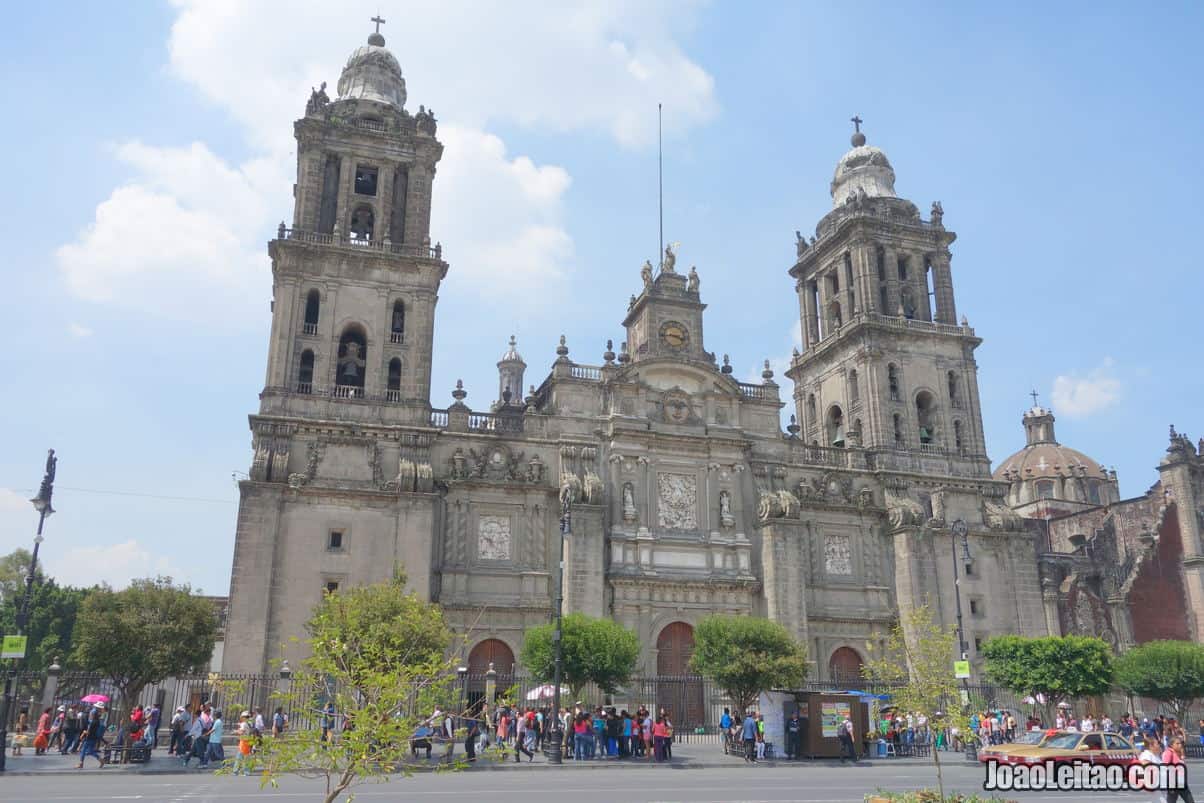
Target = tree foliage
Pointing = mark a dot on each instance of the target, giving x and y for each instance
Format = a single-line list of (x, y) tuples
[(1168, 671), (592, 650), (380, 655), (1058, 667), (147, 632), (52, 611), (918, 663), (745, 655)]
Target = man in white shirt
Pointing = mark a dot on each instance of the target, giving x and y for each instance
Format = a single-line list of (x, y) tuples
[(1106, 723), (1088, 724)]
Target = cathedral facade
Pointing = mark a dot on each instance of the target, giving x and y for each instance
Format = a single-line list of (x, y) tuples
[(684, 495)]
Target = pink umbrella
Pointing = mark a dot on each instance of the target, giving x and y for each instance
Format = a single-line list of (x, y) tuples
[(94, 698)]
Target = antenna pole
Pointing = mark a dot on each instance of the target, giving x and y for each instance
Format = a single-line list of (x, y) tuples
[(660, 184)]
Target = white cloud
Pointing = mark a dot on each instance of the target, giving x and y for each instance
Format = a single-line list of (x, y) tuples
[(79, 330), (184, 236), (11, 501), (116, 564), (1080, 396)]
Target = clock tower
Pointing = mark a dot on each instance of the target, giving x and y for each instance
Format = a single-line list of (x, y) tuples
[(665, 320)]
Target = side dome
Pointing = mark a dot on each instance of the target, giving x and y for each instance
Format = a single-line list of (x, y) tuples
[(1047, 461), (864, 169), (372, 73)]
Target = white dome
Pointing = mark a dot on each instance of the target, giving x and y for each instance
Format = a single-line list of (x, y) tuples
[(863, 169), (372, 73)]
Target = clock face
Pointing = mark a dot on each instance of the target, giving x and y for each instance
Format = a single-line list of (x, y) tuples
[(674, 335)]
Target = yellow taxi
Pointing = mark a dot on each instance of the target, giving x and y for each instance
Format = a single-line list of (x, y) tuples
[(1098, 747)]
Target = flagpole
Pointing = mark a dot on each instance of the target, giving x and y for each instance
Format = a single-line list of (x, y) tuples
[(660, 183)]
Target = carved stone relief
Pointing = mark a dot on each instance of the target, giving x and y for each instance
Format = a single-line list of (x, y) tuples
[(678, 495), (493, 537), (837, 555)]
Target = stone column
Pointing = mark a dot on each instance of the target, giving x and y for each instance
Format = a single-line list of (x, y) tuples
[(942, 284), (891, 257), (342, 220), (1049, 599), (811, 314), (823, 299), (863, 271), (384, 197), (52, 684), (285, 328)]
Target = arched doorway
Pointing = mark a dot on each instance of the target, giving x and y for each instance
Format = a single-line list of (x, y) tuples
[(678, 690), (493, 651), (845, 666)]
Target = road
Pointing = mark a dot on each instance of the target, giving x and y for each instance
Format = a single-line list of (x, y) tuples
[(811, 783)]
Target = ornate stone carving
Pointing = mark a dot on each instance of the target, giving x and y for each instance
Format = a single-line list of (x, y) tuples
[(318, 100), (592, 488), (493, 537), (535, 470), (777, 505), (1000, 517), (629, 511), (837, 555), (678, 501), (902, 510)]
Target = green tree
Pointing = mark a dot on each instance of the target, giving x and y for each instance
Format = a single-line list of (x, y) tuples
[(52, 611), (918, 662), (746, 655), (380, 655), (143, 634), (1058, 667), (592, 650), (1168, 671)]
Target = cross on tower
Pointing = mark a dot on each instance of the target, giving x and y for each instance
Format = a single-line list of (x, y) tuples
[(856, 121), (379, 22), (1034, 395)]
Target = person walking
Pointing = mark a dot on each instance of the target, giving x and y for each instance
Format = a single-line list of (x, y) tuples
[(279, 722), (748, 734), (179, 729), (152, 725), (56, 728), (847, 743), (794, 730), (41, 739), (197, 740), (660, 737), (216, 731), (1175, 754), (71, 731), (93, 737), (520, 740), (245, 732)]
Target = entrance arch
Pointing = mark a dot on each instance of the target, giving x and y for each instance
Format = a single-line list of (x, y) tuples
[(678, 691), (493, 651), (845, 666)]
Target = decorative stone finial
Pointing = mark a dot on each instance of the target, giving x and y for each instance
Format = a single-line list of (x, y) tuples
[(624, 357), (562, 350), (727, 365), (858, 139), (964, 321), (795, 351), (609, 354), (767, 374), (793, 427), (459, 394)]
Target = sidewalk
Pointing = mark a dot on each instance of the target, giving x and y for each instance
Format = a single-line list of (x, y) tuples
[(685, 756)]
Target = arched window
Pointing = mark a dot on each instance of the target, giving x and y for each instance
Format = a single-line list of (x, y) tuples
[(854, 388), (883, 302), (837, 320), (393, 393), (835, 425), (305, 376), (892, 381), (929, 288), (957, 437), (362, 221), (811, 415), (352, 360), (899, 441), (313, 305), (926, 417), (397, 326), (849, 284)]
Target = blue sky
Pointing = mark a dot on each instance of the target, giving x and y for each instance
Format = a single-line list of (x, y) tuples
[(150, 158)]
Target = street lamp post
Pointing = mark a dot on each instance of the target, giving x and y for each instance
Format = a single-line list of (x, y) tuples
[(41, 503), (959, 530), (555, 752)]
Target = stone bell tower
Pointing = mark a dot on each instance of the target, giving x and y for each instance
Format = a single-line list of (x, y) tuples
[(355, 276), (340, 486), (885, 365)]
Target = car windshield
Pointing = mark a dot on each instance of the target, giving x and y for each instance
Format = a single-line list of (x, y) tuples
[(1067, 741), (1030, 737)]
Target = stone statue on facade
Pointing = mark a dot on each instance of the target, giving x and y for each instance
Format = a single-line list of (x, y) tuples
[(317, 100), (629, 511), (938, 214), (726, 519), (692, 283), (646, 275), (670, 259), (800, 243)]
